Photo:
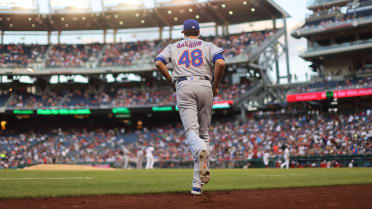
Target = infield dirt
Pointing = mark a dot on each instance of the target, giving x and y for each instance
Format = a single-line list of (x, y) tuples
[(330, 197)]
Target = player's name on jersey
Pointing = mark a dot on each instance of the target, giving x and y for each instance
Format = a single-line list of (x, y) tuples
[(189, 44)]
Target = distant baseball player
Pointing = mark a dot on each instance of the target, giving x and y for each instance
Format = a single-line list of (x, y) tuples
[(125, 157), (286, 158), (193, 61), (149, 158), (139, 158), (266, 156)]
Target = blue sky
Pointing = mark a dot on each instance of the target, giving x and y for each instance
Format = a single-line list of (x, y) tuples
[(297, 9)]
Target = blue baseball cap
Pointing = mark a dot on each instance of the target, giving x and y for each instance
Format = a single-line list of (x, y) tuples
[(191, 24)]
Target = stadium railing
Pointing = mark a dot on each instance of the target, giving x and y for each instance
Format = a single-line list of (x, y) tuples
[(316, 50)]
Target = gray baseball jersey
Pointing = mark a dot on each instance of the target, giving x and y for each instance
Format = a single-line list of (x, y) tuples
[(191, 57)]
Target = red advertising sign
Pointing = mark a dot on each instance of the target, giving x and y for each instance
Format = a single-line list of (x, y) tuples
[(352, 93), (306, 97), (224, 102)]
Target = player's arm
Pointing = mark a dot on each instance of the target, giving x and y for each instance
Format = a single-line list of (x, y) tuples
[(219, 69), (161, 63), (219, 66), (164, 71)]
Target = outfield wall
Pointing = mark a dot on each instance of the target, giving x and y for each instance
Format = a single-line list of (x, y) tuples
[(299, 161)]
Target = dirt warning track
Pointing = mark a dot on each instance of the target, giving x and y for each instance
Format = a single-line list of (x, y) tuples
[(331, 197)]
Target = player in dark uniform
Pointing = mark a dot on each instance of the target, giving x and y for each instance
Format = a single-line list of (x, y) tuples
[(193, 61)]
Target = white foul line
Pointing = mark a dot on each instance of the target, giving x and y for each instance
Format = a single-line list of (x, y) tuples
[(61, 178), (284, 174)]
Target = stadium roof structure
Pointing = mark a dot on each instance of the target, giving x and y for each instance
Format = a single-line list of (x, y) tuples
[(322, 4), (222, 12)]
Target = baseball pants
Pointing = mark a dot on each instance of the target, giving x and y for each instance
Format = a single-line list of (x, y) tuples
[(150, 162), (195, 100), (139, 162), (126, 161), (285, 164)]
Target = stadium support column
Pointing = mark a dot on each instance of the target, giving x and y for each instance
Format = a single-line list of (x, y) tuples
[(160, 33), (104, 36), (59, 37), (115, 33), (216, 29), (170, 32), (225, 29), (49, 36), (243, 114), (2, 37), (289, 76), (276, 57)]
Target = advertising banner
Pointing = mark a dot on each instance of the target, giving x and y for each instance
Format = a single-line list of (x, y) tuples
[(352, 93), (306, 97)]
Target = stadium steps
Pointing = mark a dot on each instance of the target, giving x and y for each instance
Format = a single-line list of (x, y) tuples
[(60, 103), (256, 53), (256, 88), (97, 60), (46, 55), (9, 99), (3, 100)]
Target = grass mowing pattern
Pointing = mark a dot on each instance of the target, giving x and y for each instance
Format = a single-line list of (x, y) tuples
[(168, 180)]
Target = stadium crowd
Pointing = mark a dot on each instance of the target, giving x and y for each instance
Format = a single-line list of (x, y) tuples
[(35, 100), (109, 96), (143, 95), (72, 55), (335, 17), (119, 54), (237, 44), (230, 140), (124, 54), (329, 84), (20, 55)]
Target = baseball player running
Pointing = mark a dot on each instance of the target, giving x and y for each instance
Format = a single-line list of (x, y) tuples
[(266, 156), (286, 157), (150, 157), (192, 61)]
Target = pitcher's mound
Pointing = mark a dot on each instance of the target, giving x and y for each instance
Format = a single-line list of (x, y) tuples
[(63, 167)]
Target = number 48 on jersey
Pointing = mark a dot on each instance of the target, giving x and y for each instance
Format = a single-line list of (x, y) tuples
[(196, 58)]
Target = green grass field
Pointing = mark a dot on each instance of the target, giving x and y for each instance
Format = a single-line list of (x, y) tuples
[(22, 183)]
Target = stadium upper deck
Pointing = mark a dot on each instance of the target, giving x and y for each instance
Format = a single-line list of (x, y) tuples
[(42, 62), (175, 12), (334, 16), (339, 36), (322, 4), (99, 58), (163, 16)]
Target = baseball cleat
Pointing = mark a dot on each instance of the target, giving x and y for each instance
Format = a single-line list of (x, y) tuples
[(203, 166), (196, 191)]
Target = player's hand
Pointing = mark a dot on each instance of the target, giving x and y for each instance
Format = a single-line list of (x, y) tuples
[(215, 91), (173, 86)]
